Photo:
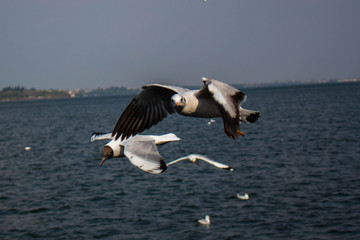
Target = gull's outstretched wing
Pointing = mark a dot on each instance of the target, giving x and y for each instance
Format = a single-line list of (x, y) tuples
[(151, 105), (212, 162), (228, 100), (162, 139), (176, 160), (159, 139), (100, 136), (144, 155), (195, 157)]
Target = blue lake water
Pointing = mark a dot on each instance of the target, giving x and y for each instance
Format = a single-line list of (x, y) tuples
[(300, 164)]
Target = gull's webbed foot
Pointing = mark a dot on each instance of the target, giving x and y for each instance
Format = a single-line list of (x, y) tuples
[(240, 133)]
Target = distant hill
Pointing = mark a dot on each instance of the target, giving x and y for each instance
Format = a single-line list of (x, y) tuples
[(21, 93), (111, 91)]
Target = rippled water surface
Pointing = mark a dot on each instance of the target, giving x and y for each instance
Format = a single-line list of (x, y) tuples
[(300, 164)]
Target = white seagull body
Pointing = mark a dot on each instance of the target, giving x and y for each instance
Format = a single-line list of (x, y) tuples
[(142, 152), (205, 221), (155, 101), (211, 121), (243, 197)]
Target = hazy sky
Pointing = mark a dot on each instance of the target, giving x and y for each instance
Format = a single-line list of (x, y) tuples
[(88, 44)]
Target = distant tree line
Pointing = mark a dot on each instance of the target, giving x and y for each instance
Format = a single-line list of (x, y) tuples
[(112, 91), (15, 89), (21, 93)]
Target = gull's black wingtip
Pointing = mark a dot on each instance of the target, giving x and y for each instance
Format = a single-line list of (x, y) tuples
[(253, 117), (97, 133), (163, 165)]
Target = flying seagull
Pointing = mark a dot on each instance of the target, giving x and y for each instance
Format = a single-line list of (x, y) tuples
[(195, 157), (155, 101), (142, 152)]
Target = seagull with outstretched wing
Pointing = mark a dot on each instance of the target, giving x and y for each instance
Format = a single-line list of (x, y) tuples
[(142, 152), (155, 101), (194, 158)]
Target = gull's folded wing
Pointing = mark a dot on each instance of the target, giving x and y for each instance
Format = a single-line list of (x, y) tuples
[(228, 100)]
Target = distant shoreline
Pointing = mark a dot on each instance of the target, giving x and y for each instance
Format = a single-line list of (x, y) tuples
[(10, 94), (22, 94)]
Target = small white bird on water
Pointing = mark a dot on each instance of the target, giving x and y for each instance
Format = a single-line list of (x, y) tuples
[(205, 221), (243, 197), (211, 121), (142, 152)]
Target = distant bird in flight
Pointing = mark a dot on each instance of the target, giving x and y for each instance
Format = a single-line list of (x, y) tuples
[(195, 157), (155, 101), (142, 152)]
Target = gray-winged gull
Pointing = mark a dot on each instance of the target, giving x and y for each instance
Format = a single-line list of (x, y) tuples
[(155, 101), (195, 157), (142, 152)]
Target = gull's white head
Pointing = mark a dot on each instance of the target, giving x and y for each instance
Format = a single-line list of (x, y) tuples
[(178, 101)]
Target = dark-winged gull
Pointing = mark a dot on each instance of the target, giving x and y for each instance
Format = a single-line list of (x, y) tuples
[(155, 101), (142, 152)]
